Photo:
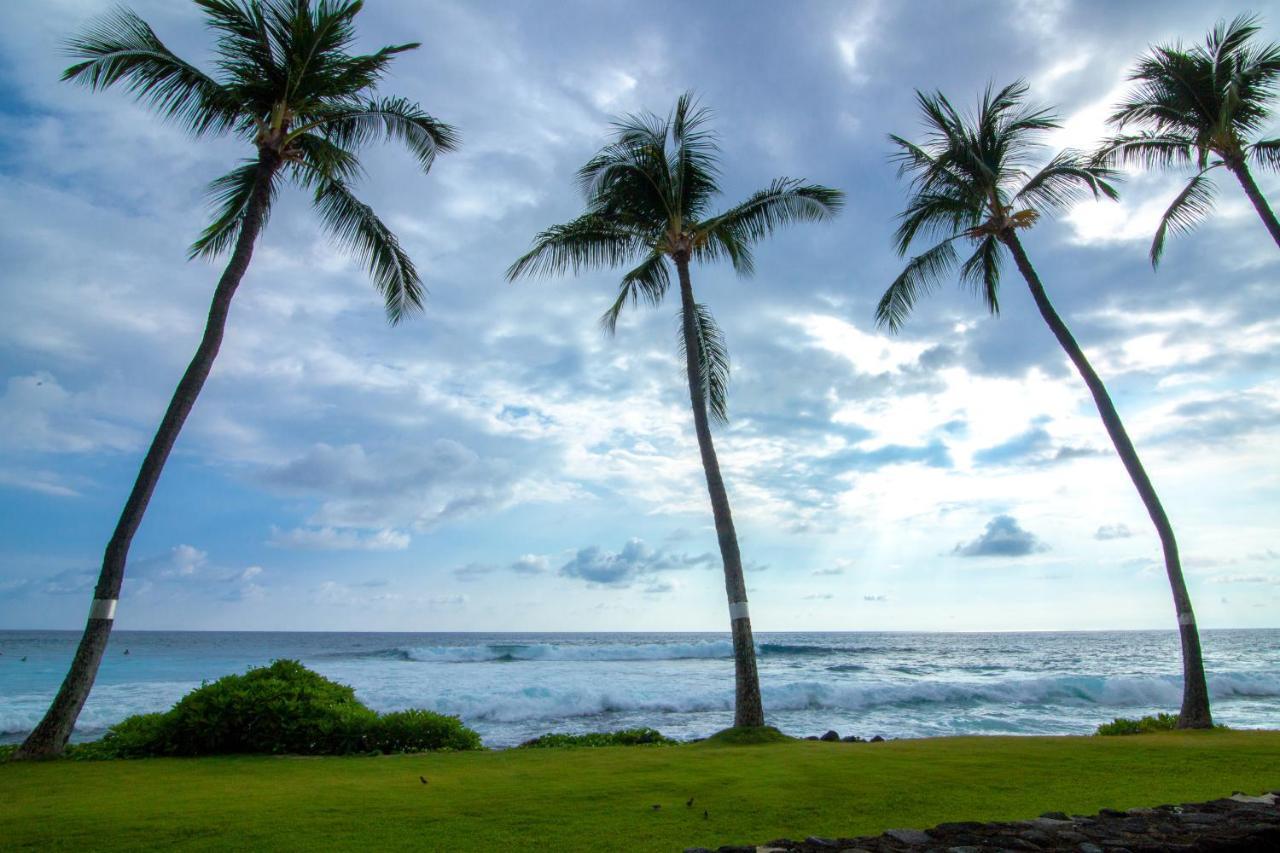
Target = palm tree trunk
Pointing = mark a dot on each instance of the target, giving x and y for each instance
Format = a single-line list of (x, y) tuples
[(50, 737), (1241, 171), (1195, 693), (747, 707)]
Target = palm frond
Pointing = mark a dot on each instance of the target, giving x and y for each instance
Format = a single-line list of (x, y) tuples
[(359, 230), (648, 281), (1266, 153), (919, 277), (1187, 210), (937, 214), (695, 160), (245, 50), (721, 240), (229, 195), (120, 47), (1063, 181), (631, 180), (1148, 149), (713, 361), (390, 119), (583, 243), (324, 161), (982, 272), (786, 201)]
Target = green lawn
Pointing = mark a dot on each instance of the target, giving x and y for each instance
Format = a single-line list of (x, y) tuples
[(599, 799)]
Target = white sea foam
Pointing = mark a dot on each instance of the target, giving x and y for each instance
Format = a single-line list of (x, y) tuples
[(513, 687), (543, 703)]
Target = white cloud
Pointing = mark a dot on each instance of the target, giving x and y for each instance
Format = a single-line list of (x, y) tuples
[(333, 539)]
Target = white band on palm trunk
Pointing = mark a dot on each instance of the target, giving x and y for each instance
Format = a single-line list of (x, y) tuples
[(1186, 619), (103, 608), (738, 610)]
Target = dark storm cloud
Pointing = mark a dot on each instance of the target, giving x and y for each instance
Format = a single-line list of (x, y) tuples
[(1003, 537), (622, 568)]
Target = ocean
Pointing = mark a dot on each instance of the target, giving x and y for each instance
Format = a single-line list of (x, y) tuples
[(511, 687)]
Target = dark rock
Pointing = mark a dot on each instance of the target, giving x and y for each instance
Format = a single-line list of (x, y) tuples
[(909, 836), (812, 737), (1240, 824), (697, 850), (877, 739), (831, 735), (851, 739)]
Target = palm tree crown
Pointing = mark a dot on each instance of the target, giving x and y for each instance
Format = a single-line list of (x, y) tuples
[(287, 84), (1202, 107), (971, 181), (649, 196)]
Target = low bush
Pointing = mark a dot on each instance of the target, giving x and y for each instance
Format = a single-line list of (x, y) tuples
[(416, 730), (625, 737), (138, 736), (1146, 725), (748, 735), (283, 708)]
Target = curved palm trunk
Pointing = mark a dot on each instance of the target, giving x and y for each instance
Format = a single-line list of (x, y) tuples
[(50, 737), (1241, 171), (747, 708), (1195, 693)]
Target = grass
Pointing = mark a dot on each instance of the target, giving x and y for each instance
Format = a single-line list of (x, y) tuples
[(593, 799)]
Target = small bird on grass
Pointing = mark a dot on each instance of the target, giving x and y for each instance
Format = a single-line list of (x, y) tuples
[(656, 807), (422, 779), (689, 803), (706, 815)]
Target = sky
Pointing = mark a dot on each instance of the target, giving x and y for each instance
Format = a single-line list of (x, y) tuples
[(496, 463)]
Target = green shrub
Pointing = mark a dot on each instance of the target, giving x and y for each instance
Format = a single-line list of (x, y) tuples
[(416, 730), (7, 751), (133, 737), (1124, 726), (625, 737), (748, 735), (283, 708)]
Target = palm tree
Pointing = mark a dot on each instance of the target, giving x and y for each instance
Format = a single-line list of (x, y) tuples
[(648, 195), (288, 86), (971, 184), (1203, 107)]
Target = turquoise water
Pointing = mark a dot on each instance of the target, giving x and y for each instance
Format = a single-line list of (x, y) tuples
[(510, 687)]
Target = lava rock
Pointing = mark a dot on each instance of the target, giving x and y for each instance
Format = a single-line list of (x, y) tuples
[(831, 735)]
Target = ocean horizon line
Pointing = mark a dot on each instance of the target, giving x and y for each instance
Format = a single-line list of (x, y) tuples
[(707, 631)]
